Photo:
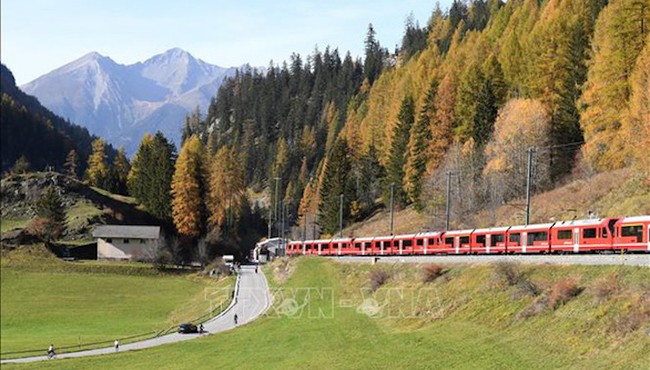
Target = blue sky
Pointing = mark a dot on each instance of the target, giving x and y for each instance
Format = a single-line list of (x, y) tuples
[(38, 36)]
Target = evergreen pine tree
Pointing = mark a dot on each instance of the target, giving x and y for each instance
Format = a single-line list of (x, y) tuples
[(50, 215), (420, 136), (150, 177), (399, 152), (336, 181)]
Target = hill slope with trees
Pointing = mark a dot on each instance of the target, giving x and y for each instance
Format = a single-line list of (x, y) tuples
[(32, 131), (464, 97)]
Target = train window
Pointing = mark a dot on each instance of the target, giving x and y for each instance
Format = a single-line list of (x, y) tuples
[(480, 239), (514, 238), (419, 242), (449, 241), (464, 240), (324, 246), (498, 238), (407, 243), (538, 236), (396, 243), (564, 234), (432, 241), (357, 245), (603, 232), (633, 230), (589, 233)]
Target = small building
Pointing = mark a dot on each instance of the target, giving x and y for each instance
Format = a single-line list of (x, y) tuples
[(132, 243), (268, 249)]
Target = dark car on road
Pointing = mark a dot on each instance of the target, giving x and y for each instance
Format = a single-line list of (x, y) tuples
[(187, 328)]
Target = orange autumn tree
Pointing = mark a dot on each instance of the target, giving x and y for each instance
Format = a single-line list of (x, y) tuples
[(188, 189)]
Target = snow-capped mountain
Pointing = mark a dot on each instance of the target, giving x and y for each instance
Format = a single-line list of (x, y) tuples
[(123, 102)]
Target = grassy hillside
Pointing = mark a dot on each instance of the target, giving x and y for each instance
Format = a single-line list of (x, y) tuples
[(467, 318), (611, 194), (45, 300)]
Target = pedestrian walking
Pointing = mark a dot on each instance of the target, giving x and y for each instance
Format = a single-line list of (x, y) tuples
[(201, 329), (235, 319), (50, 352), (117, 345), (256, 269)]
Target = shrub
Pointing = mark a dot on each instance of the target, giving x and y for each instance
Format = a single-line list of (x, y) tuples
[(628, 322), (378, 278), (562, 292), (534, 308), (507, 272), (526, 287), (606, 287), (431, 272)]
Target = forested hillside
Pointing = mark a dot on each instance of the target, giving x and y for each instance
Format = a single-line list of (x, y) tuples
[(31, 131), (462, 100)]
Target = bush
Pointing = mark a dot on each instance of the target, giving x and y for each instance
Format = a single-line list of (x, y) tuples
[(526, 287), (431, 272), (638, 314), (534, 308), (378, 278), (606, 287), (507, 272), (563, 291)]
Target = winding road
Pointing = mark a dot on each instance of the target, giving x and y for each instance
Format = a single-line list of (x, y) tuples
[(252, 299)]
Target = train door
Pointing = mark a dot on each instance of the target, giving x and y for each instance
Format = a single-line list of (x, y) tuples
[(457, 244), (576, 240), (488, 242), (524, 241), (647, 235)]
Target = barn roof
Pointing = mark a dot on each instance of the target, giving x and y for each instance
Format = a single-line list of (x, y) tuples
[(123, 231)]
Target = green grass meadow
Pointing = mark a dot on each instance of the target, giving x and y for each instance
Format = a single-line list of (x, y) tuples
[(461, 320), (71, 303)]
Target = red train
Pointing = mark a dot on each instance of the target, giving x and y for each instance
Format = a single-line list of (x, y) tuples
[(607, 234)]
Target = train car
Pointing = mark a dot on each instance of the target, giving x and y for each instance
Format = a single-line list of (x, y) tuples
[(632, 234), (582, 235), (491, 240), (425, 243), (528, 239), (294, 248), (318, 247), (403, 244), (382, 245), (341, 247), (363, 246), (456, 242)]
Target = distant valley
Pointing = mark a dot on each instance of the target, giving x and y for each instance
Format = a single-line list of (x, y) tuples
[(123, 102)]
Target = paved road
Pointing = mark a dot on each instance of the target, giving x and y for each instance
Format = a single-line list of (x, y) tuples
[(580, 259), (252, 299)]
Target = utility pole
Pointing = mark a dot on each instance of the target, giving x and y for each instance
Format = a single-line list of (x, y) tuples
[(270, 221), (449, 173), (392, 205), (277, 179), (528, 181), (341, 216)]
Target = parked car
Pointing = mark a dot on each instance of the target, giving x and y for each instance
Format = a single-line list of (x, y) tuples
[(187, 328)]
